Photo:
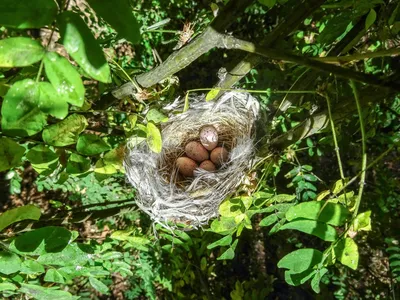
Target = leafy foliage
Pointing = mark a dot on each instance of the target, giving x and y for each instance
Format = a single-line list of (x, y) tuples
[(296, 209)]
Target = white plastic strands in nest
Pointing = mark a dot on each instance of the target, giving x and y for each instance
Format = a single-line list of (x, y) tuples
[(162, 193)]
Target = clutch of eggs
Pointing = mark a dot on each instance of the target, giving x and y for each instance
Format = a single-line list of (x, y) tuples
[(204, 154)]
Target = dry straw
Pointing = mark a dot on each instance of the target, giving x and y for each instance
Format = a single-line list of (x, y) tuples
[(167, 197)]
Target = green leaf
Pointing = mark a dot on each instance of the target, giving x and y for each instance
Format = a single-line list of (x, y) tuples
[(296, 279), (155, 116), (9, 263), (332, 213), (27, 14), (119, 15), (112, 162), (11, 154), (212, 94), (223, 226), (228, 254), (43, 159), (31, 267), (267, 221), (321, 230), (42, 293), (346, 252), (64, 78), (371, 18), (154, 140), (27, 212), (91, 144), (65, 132), (20, 110), (122, 235), (52, 275), (50, 103), (362, 221), (19, 51), (73, 254), (82, 46), (225, 241), (7, 286), (269, 3), (317, 279), (77, 164), (98, 285), (42, 240), (282, 198), (300, 260)]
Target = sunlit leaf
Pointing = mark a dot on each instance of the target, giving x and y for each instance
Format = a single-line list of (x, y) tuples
[(330, 213), (98, 285), (10, 153), (154, 140), (65, 132), (43, 293), (156, 116), (27, 212), (296, 279), (73, 254), (82, 46), (7, 286), (212, 94), (225, 241), (50, 102), (52, 275), (119, 15), (27, 14), (317, 279), (112, 161), (362, 221), (228, 254), (267, 221), (321, 230), (346, 252), (31, 267), (19, 51), (21, 115), (65, 79), (300, 260), (223, 226), (9, 263)]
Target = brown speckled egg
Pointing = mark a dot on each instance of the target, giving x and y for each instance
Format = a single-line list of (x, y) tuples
[(219, 155), (186, 166), (196, 151), (209, 137), (207, 165)]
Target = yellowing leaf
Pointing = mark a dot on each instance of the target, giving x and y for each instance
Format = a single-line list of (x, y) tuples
[(212, 94), (346, 252), (154, 140)]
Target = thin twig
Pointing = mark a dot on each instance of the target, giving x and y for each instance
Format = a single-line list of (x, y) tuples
[(364, 149)]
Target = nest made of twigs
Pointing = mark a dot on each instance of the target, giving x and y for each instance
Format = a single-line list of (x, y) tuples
[(167, 196)]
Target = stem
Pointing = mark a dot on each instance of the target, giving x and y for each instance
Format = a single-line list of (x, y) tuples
[(364, 148), (335, 142), (126, 74), (42, 61), (358, 56), (252, 91)]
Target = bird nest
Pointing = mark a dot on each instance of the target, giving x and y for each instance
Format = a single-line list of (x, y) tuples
[(167, 196)]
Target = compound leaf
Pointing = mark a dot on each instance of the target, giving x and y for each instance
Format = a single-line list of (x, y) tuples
[(64, 78), (82, 46)]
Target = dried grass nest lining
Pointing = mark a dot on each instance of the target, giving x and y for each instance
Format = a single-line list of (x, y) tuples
[(162, 193)]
